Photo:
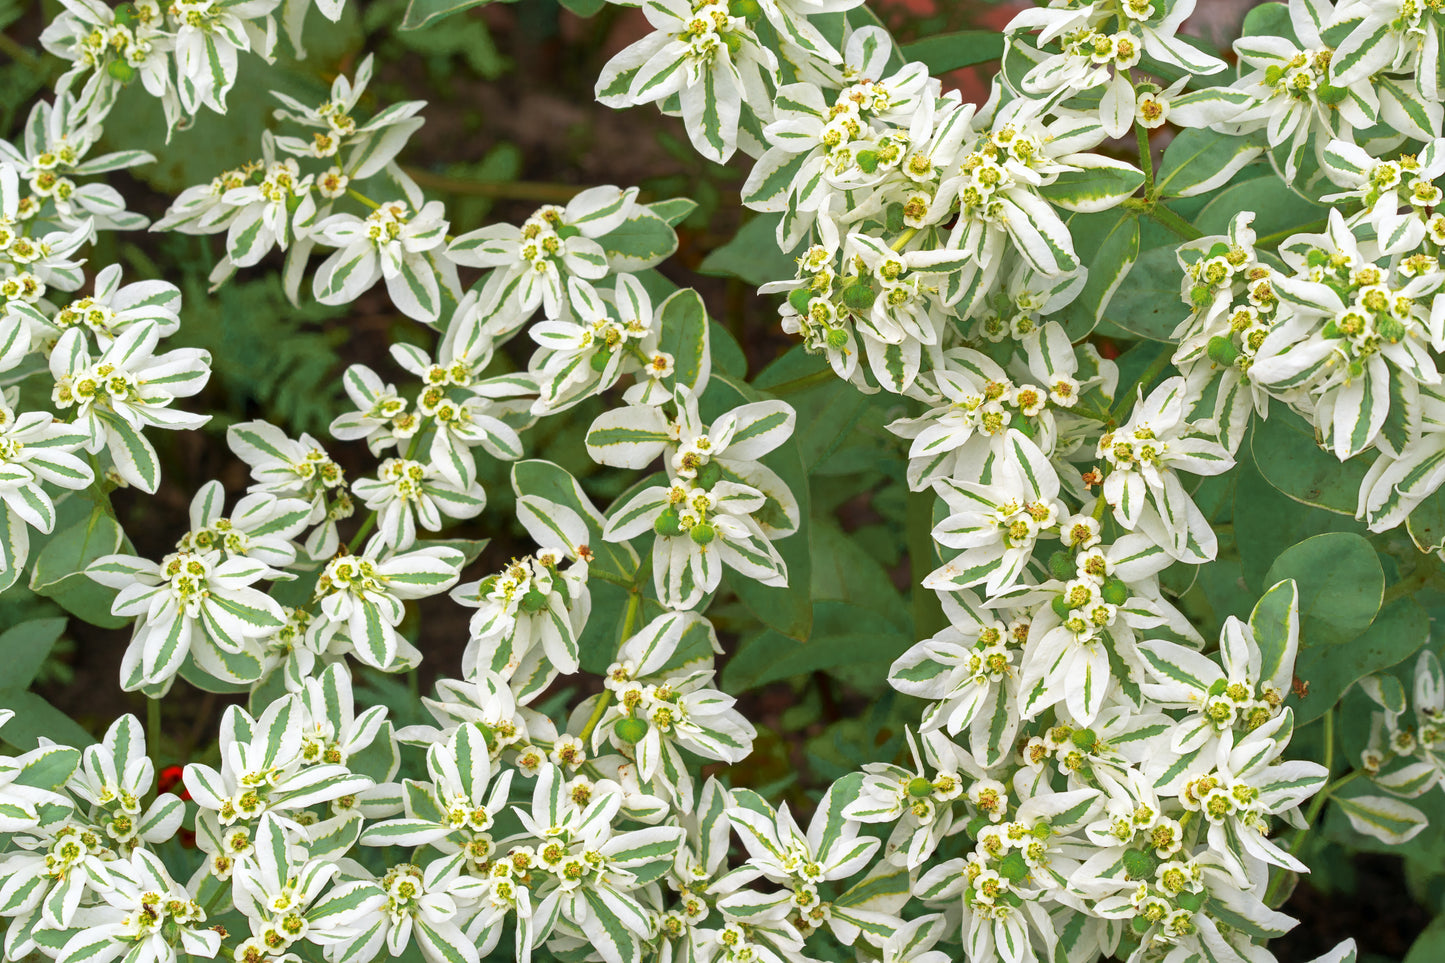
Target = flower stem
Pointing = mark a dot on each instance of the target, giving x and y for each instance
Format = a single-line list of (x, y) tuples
[(366, 526), (1156, 367), (629, 622), (904, 238), (153, 731), (1272, 894), (356, 195), (1146, 159), (1174, 222)]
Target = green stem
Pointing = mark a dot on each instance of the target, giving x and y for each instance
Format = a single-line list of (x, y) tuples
[(1156, 367), (629, 622), (356, 540), (904, 238), (1146, 159), (1174, 222), (153, 731), (356, 195), (1317, 804)]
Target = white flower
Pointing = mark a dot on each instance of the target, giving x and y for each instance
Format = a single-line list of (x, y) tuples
[(533, 263), (709, 58), (361, 595), (127, 389), (190, 603), (389, 243), (1144, 457)]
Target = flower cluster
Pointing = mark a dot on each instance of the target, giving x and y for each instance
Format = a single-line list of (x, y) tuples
[(1088, 775)]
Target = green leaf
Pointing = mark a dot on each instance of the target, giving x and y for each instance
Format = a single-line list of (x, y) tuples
[(1290, 460), (60, 566), (1397, 633), (684, 323), (1093, 188), (1147, 302), (34, 717), (1199, 160), (639, 242), (753, 254), (1341, 585), (1276, 209), (1426, 524), (950, 51), (1266, 523), (827, 407), (1429, 946), (788, 609), (1387, 819), (24, 648), (844, 633), (1112, 237), (613, 561), (424, 13)]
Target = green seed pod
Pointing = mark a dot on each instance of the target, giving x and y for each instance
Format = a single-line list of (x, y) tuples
[(1013, 867), (860, 295), (1061, 565), (631, 730), (601, 359), (1193, 902), (1222, 351), (121, 70), (918, 787), (747, 9), (837, 338), (709, 475), (667, 523), (1140, 863), (1115, 592), (702, 534), (1060, 606), (126, 15), (867, 160), (1139, 924), (799, 298), (1085, 739)]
